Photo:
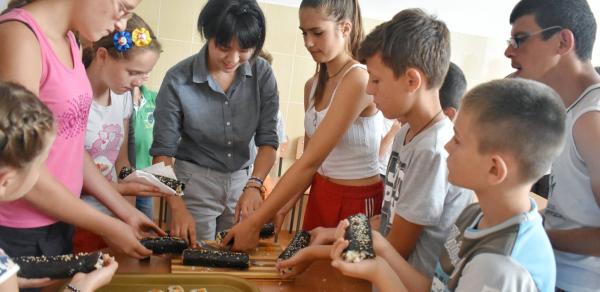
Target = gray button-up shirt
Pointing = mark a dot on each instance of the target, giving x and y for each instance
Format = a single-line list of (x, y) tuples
[(196, 121)]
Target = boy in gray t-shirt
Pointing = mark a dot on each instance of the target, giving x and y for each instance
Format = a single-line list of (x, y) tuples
[(417, 192), (416, 184)]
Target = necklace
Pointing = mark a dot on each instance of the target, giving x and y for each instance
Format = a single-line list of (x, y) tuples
[(340, 70), (426, 125)]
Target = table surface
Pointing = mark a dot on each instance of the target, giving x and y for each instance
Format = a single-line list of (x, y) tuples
[(320, 276)]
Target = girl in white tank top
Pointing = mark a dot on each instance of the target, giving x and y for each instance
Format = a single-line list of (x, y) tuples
[(339, 162)]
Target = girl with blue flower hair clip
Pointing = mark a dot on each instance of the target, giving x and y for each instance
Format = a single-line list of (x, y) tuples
[(115, 65)]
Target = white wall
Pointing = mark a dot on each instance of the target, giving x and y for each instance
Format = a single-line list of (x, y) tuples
[(487, 18)]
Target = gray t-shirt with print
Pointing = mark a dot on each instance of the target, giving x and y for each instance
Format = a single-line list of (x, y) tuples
[(417, 189)]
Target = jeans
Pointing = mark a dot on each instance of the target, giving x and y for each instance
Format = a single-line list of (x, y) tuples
[(144, 204)]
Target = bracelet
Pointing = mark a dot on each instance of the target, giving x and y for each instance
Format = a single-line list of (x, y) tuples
[(261, 189), (72, 288), (256, 179)]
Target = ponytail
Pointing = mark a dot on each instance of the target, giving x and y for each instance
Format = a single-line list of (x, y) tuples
[(337, 10), (358, 34)]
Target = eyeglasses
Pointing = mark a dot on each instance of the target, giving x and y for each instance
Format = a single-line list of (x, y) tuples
[(516, 41)]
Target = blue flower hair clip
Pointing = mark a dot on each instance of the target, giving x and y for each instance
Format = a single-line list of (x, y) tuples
[(122, 41)]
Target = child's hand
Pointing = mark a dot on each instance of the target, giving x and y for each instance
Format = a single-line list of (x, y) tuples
[(138, 189), (122, 238), (322, 235), (142, 225), (366, 269), (340, 230), (295, 265), (380, 243), (245, 234), (301, 260), (183, 224), (96, 279)]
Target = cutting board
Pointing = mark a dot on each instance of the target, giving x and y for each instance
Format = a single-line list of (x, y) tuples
[(262, 264)]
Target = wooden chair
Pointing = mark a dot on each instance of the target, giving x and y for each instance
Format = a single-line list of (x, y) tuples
[(296, 214)]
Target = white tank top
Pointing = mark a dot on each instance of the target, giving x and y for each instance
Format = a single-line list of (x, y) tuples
[(571, 202), (355, 156)]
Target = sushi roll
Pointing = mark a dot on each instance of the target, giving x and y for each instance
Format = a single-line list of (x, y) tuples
[(265, 232), (58, 267), (300, 241), (215, 258), (359, 236), (165, 244), (174, 184), (175, 288)]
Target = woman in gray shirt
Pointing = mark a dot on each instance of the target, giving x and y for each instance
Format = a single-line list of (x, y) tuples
[(210, 108)]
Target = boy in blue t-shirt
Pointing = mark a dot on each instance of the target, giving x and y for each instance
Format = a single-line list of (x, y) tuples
[(506, 135)]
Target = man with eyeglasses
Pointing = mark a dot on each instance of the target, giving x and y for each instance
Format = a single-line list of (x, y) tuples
[(552, 42)]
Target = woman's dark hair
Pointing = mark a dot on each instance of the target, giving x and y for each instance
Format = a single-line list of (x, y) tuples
[(222, 20), (338, 10), (107, 42)]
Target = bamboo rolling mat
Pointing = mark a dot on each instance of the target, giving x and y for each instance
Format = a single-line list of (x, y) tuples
[(262, 264)]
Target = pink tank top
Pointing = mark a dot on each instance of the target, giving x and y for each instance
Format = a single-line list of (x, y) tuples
[(68, 94)]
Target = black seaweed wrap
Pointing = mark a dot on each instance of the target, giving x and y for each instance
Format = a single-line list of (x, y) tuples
[(57, 267), (300, 241), (165, 244), (171, 183), (360, 238), (215, 258)]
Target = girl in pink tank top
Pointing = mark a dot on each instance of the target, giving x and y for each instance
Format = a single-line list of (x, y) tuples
[(40, 52), (26, 136)]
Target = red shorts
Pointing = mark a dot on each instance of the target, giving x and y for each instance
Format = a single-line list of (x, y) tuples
[(86, 241), (329, 203)]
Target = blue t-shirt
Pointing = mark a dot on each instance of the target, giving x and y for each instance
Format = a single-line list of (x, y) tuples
[(515, 255)]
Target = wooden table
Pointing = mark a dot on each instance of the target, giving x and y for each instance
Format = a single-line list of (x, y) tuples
[(320, 276)]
